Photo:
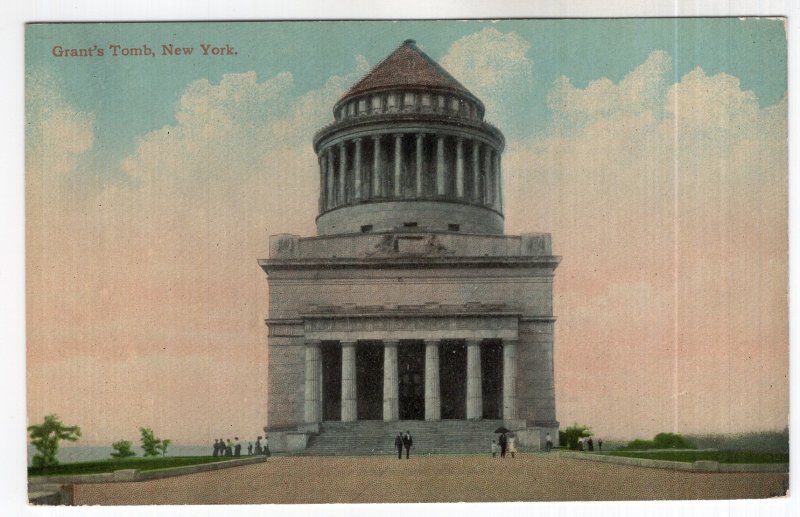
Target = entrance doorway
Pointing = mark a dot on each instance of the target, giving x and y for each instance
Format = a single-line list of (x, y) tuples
[(453, 379), (369, 381), (492, 379), (331, 381), (411, 373)]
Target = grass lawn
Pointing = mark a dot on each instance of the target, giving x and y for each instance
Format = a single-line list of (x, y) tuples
[(110, 465), (720, 456)]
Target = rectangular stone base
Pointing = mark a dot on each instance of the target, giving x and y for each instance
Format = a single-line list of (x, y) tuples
[(287, 441)]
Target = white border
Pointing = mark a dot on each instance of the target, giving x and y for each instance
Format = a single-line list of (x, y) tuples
[(12, 308)]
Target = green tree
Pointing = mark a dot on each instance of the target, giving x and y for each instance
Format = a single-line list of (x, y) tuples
[(150, 443), (122, 449), (163, 446), (46, 437), (570, 435)]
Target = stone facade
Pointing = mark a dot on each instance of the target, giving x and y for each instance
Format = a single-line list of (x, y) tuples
[(410, 303)]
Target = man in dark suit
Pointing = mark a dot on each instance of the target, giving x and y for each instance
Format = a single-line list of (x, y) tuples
[(398, 443), (407, 442), (503, 445)]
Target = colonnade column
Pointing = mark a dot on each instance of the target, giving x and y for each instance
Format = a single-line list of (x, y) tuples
[(349, 408), (398, 165), (496, 181), (474, 389), (487, 174), (509, 380), (420, 138), (476, 170), (357, 171), (440, 187), (460, 167), (321, 207), (329, 177), (342, 173), (313, 405), (433, 402), (376, 167), (391, 398)]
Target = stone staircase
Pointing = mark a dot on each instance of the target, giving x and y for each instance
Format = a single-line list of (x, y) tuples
[(377, 437)]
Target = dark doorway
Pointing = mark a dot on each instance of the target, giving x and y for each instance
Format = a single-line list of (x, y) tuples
[(453, 379), (411, 373), (492, 380), (331, 381), (369, 381)]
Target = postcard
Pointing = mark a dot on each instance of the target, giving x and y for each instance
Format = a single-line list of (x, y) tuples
[(419, 261)]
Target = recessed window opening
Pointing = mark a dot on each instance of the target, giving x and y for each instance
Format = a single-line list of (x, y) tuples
[(454, 227), (410, 225), (366, 228)]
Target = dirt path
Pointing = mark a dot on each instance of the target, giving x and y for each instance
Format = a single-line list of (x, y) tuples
[(528, 477)]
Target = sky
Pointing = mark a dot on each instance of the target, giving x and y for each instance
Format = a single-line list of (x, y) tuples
[(653, 150)]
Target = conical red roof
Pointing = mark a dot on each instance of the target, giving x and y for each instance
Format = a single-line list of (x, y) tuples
[(407, 67)]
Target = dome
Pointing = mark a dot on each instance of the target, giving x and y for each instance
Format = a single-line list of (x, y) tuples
[(408, 68), (409, 151)]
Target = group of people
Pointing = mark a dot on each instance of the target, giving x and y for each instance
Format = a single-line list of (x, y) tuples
[(403, 441), (587, 444), (234, 448), (506, 444)]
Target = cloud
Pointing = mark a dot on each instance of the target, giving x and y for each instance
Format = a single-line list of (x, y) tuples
[(56, 134), (491, 64), (163, 266), (681, 188), (642, 90)]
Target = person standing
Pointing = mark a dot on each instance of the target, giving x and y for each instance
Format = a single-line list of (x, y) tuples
[(259, 451), (237, 448), (590, 443), (548, 442), (600, 444), (503, 445), (249, 448), (494, 448), (512, 445), (267, 452), (398, 443), (580, 444), (216, 448), (229, 448), (408, 442)]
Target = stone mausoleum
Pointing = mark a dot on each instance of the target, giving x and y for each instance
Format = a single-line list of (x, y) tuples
[(410, 309)]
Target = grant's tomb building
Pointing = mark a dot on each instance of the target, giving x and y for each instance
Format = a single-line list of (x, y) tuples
[(410, 309)]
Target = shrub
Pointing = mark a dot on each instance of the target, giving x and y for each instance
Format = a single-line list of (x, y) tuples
[(122, 449), (661, 441), (671, 441), (570, 435), (46, 437)]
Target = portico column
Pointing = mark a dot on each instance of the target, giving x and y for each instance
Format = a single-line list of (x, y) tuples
[(487, 185), (476, 170), (349, 408), (474, 389), (331, 200), (433, 402), (460, 167), (357, 171), (342, 173), (509, 380), (313, 406), (420, 138), (376, 168), (398, 165), (440, 189), (391, 405)]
